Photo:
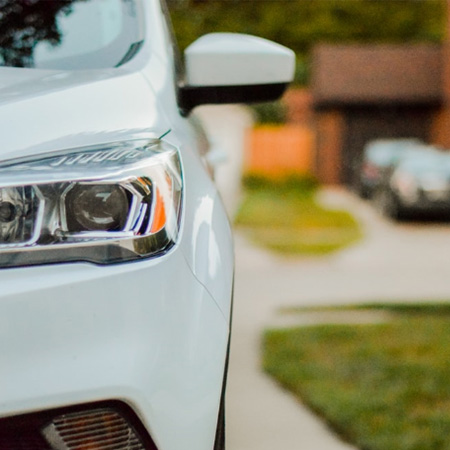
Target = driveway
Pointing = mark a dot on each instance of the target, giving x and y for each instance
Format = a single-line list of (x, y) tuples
[(408, 262)]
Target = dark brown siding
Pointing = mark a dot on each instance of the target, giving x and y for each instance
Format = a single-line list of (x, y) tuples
[(366, 92), (377, 74)]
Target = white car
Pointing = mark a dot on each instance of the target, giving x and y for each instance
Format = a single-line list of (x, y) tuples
[(115, 250)]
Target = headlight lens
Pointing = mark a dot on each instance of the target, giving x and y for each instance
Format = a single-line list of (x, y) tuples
[(104, 205), (97, 207)]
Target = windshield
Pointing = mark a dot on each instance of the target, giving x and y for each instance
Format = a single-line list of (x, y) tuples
[(68, 34), (385, 153), (427, 163)]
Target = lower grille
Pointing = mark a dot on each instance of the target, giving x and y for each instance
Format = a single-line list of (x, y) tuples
[(101, 429), (100, 426)]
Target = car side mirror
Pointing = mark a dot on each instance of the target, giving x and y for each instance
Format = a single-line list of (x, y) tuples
[(235, 68)]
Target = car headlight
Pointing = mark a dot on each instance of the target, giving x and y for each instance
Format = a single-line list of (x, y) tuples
[(406, 186), (105, 204)]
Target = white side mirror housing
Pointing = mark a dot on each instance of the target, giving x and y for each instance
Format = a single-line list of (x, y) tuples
[(230, 59), (235, 68)]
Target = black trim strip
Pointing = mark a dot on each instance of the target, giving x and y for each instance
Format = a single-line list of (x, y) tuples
[(219, 441), (191, 96)]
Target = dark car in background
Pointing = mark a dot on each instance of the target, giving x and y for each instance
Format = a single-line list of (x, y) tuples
[(416, 186), (380, 155)]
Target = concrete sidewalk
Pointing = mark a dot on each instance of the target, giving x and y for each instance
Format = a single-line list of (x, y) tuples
[(407, 262), (260, 415)]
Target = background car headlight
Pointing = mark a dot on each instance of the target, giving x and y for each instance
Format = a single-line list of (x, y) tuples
[(431, 182), (108, 204), (406, 186)]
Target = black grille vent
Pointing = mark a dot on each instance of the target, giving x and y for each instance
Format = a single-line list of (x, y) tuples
[(102, 429), (110, 425)]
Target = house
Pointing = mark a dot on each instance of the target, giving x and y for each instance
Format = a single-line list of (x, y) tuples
[(365, 92)]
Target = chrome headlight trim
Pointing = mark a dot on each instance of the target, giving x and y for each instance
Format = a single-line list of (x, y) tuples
[(146, 173)]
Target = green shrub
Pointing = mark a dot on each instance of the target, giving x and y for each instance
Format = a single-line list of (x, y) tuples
[(269, 113), (302, 71), (292, 182)]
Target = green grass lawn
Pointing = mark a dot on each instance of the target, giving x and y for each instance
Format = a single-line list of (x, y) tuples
[(285, 217), (383, 386)]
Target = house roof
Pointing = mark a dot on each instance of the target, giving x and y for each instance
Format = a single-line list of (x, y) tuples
[(377, 74)]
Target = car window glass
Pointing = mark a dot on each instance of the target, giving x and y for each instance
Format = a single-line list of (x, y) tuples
[(68, 34), (384, 155)]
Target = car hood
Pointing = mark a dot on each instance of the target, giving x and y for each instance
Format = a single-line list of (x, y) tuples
[(46, 111)]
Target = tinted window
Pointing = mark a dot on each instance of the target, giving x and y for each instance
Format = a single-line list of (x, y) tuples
[(69, 34)]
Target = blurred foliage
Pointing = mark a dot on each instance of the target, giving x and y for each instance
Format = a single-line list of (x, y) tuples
[(299, 24), (283, 215), (269, 113), (302, 70), (380, 386)]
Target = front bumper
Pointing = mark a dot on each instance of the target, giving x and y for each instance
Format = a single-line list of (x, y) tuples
[(427, 203), (145, 333)]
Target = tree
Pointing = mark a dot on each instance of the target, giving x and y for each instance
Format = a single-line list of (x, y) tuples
[(300, 24)]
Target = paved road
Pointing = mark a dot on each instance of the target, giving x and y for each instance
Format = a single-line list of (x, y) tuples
[(393, 263)]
